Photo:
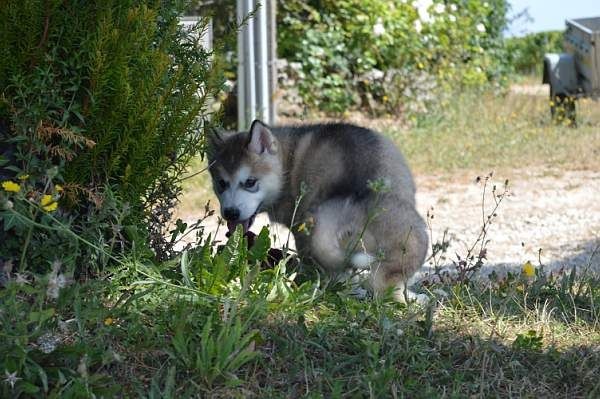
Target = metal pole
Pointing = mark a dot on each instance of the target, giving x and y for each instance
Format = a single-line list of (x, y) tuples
[(272, 48), (257, 71), (241, 73), (262, 66), (250, 76)]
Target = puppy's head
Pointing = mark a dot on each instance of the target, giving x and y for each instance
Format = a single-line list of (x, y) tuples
[(246, 172)]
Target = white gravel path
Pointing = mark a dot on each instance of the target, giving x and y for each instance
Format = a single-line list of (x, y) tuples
[(558, 214)]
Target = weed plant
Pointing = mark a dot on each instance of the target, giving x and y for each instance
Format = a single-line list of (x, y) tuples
[(217, 324)]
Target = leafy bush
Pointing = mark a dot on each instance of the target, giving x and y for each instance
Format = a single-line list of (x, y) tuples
[(107, 100), (382, 54), (526, 53)]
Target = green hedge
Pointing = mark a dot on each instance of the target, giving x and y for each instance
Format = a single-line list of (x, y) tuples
[(526, 53), (364, 52)]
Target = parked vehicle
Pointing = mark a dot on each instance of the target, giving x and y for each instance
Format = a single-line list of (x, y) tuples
[(576, 72)]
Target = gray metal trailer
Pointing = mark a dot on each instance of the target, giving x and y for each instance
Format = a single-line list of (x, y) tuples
[(576, 72)]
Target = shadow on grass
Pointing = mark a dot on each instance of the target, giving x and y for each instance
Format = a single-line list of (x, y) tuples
[(526, 338), (348, 359)]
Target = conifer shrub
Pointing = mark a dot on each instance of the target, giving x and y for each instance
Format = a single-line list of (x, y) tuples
[(102, 105)]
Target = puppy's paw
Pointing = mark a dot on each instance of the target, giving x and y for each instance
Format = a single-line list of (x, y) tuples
[(408, 296)]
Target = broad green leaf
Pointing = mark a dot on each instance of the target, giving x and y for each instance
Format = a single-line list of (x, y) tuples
[(261, 246)]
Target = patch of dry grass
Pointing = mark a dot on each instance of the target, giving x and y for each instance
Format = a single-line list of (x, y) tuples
[(490, 132), (197, 191)]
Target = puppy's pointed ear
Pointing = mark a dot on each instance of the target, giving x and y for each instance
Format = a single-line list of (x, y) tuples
[(214, 140), (260, 139)]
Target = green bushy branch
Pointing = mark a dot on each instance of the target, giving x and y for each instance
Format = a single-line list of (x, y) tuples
[(113, 97)]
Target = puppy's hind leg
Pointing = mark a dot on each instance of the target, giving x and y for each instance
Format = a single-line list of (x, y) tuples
[(335, 241), (383, 281), (401, 258), (325, 242)]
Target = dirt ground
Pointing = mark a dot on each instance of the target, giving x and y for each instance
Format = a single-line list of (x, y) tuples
[(557, 212)]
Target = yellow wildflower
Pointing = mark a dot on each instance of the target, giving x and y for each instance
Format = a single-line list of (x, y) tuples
[(520, 288), (11, 186), (23, 177), (302, 227), (58, 188), (46, 200), (50, 208), (108, 321), (528, 269), (48, 204)]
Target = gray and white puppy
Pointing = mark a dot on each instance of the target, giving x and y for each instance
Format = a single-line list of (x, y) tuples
[(344, 191)]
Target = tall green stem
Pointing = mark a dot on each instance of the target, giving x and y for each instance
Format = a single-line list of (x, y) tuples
[(26, 245)]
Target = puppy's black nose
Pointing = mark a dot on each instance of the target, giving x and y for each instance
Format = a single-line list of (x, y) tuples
[(231, 214)]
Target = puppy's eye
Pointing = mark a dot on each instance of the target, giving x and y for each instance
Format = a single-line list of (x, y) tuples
[(250, 183)]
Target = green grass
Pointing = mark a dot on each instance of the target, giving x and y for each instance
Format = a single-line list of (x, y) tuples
[(219, 326), (191, 327)]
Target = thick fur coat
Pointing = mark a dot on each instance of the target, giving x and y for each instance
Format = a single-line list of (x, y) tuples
[(346, 193)]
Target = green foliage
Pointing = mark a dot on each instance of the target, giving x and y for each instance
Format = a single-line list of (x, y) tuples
[(124, 75), (44, 343), (385, 55), (35, 235), (108, 99), (214, 351), (526, 53), (54, 330), (529, 341), (194, 327)]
